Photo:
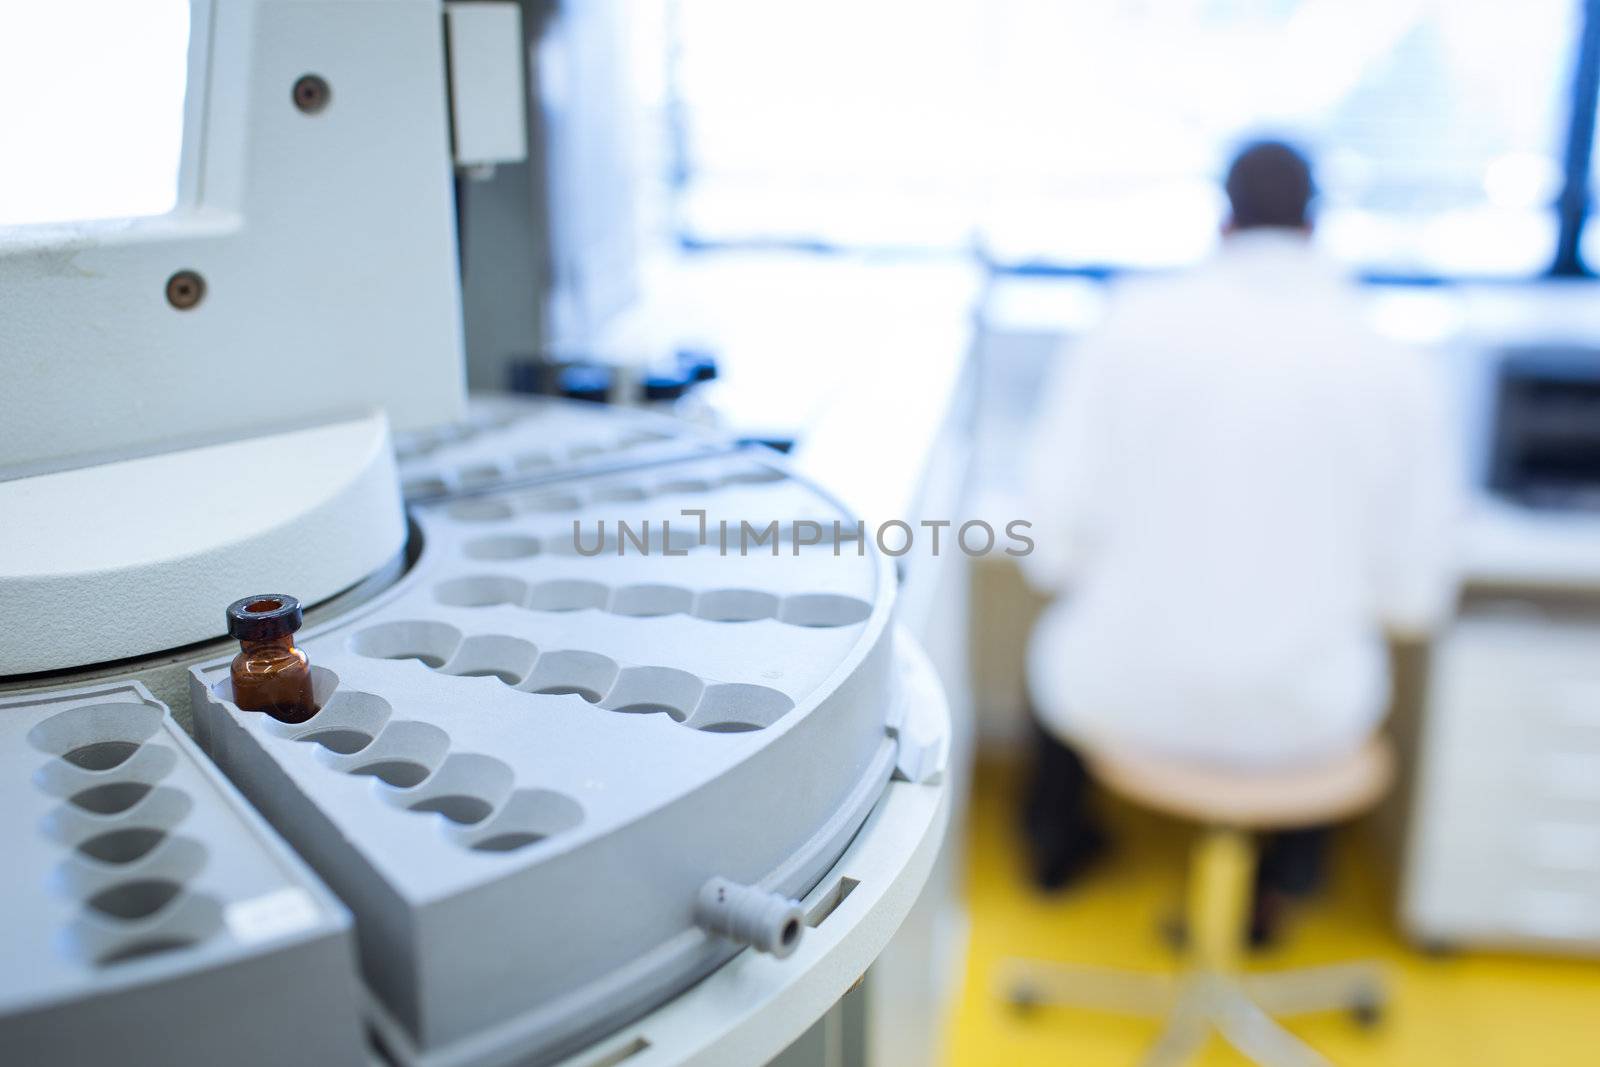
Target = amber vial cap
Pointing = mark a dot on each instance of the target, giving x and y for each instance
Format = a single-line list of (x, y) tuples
[(264, 616)]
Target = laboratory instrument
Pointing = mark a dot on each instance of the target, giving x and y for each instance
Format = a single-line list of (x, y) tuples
[(661, 804)]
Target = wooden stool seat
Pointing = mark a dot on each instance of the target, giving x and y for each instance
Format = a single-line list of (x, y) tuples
[(1253, 800)]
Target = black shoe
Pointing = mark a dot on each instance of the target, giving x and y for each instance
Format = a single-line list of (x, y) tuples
[(1267, 917), (1058, 862)]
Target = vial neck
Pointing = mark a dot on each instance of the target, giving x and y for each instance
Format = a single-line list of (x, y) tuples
[(269, 644)]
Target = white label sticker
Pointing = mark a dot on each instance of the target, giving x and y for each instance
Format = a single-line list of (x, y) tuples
[(275, 914)]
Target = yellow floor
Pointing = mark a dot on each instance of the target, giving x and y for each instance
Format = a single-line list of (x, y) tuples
[(1462, 1011)]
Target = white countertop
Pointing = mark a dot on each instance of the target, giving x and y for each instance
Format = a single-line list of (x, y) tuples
[(856, 358)]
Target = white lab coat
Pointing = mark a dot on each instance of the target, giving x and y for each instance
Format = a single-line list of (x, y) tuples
[(1236, 488)]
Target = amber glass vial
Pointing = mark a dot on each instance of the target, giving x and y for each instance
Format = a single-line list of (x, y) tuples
[(270, 674)]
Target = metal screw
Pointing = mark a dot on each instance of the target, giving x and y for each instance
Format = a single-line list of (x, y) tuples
[(185, 289), (311, 94)]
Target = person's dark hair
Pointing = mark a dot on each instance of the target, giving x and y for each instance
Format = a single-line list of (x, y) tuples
[(1269, 184)]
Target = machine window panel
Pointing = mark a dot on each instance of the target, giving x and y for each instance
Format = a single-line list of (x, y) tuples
[(93, 128)]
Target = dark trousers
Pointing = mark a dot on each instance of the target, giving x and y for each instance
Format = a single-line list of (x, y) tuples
[(1063, 834)]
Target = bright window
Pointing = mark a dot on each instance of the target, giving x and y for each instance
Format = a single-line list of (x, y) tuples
[(92, 125), (1094, 133)]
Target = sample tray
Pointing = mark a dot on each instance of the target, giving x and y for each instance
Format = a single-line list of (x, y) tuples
[(529, 758), (150, 913)]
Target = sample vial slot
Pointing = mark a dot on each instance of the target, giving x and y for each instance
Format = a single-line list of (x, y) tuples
[(655, 691), (111, 798), (113, 790), (119, 847), (101, 755), (549, 502), (175, 857), (81, 817), (419, 446), (527, 817), (347, 723), (651, 600), (587, 675), (423, 486), (735, 707), (507, 659), (429, 643), (97, 737), (466, 789), (138, 899), (143, 921), (403, 755), (505, 547), (709, 706)]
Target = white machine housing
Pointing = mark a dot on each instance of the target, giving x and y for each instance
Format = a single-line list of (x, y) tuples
[(322, 232)]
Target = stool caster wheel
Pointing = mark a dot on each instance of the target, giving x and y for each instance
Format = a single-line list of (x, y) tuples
[(1367, 1011), (1023, 1000)]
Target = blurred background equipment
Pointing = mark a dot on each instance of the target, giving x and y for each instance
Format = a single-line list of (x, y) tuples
[(1546, 432)]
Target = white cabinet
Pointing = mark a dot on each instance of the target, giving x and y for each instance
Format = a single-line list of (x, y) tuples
[(1505, 824)]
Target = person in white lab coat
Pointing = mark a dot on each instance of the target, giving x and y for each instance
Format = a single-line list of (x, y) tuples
[(1237, 488)]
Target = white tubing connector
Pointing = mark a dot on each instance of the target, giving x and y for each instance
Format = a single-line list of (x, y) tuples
[(766, 921)]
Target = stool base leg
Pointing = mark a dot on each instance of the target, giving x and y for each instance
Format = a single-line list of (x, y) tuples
[(1188, 1026), (1248, 1028), (1353, 987), (1240, 1008), (1035, 983)]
